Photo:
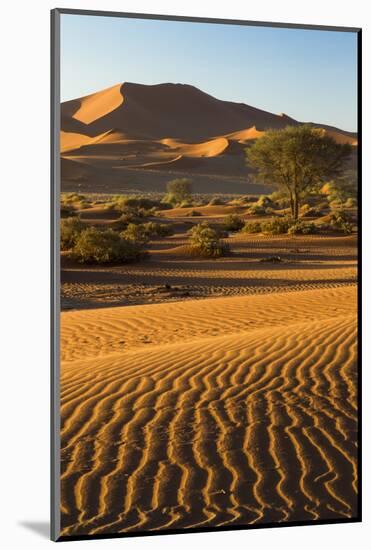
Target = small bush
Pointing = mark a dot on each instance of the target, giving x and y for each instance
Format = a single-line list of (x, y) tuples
[(276, 226), (164, 229), (301, 228), (350, 203), (136, 233), (206, 241), (67, 212), (70, 229), (308, 211), (93, 246), (265, 201), (252, 227), (233, 223), (257, 210), (135, 204), (341, 220), (178, 190), (69, 198)]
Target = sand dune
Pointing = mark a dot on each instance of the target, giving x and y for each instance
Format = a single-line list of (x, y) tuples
[(97, 105), (215, 412), (210, 148), (166, 128)]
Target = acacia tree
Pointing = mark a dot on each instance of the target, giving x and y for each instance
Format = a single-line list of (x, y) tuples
[(297, 159), (178, 190)]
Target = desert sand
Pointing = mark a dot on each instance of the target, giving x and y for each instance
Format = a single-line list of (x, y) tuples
[(211, 412)]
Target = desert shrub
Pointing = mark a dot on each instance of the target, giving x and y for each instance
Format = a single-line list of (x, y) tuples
[(350, 203), (178, 190), (257, 210), (206, 241), (136, 233), (143, 202), (233, 223), (308, 211), (277, 226), (252, 227), (67, 212), (335, 204), (269, 211), (305, 208), (265, 201), (126, 218), (154, 229), (342, 221), (194, 213), (342, 188), (93, 246), (278, 195), (69, 198), (302, 228), (164, 229), (70, 229)]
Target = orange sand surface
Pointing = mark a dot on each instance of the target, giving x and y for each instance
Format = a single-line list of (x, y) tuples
[(222, 411)]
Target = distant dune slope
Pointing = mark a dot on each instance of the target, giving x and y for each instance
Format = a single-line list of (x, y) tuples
[(220, 412), (140, 126)]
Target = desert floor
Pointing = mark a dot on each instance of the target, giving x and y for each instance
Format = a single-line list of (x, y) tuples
[(215, 392)]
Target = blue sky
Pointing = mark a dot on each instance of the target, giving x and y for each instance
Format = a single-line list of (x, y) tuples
[(307, 74)]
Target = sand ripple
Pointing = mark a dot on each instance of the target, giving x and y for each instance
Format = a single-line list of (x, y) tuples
[(217, 412)]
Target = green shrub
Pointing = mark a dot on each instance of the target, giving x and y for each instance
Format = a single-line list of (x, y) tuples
[(154, 229), (265, 201), (206, 241), (178, 190), (233, 223), (164, 229), (67, 212), (70, 229), (252, 227), (301, 228), (276, 226), (308, 211), (93, 246), (257, 210), (69, 198), (350, 203), (341, 220), (136, 233)]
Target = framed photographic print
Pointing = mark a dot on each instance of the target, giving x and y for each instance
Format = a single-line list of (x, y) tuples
[(206, 180)]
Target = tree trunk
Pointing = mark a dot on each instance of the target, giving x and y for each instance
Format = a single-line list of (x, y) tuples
[(295, 206), (292, 205)]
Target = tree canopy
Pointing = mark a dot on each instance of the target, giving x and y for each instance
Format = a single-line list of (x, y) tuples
[(178, 190), (298, 160)]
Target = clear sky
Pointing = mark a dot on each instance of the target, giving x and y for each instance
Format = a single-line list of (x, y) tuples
[(310, 75)]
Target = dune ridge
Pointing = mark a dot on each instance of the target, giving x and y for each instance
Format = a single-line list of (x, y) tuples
[(217, 412)]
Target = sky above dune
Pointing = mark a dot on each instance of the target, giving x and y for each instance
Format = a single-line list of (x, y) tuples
[(310, 75)]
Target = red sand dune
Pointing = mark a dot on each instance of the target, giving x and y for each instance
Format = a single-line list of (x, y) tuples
[(164, 127)]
